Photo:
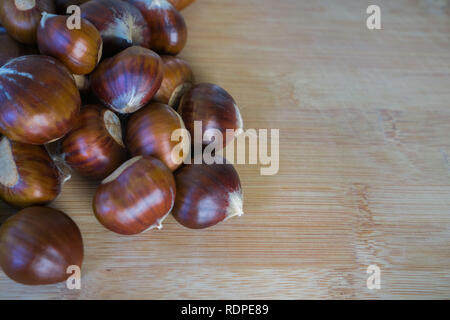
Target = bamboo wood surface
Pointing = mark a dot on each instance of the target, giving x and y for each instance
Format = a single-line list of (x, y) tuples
[(364, 178)]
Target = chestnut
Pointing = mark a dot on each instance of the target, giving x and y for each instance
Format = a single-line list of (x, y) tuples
[(181, 4), (78, 49), (207, 195), (120, 24), (136, 197), (38, 244), (28, 175), (149, 132), (177, 79), (10, 48), (214, 107), (167, 26), (129, 80), (94, 148), (21, 17), (39, 100)]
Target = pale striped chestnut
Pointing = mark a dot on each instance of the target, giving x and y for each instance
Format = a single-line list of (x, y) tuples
[(129, 80), (62, 5), (214, 108), (149, 132), (207, 195), (38, 245), (39, 100), (10, 48), (21, 17), (167, 26), (181, 4), (136, 197), (78, 49), (28, 175), (94, 148), (178, 78), (120, 24)]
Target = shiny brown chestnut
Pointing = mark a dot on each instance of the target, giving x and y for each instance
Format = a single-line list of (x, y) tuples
[(149, 132), (62, 5), (21, 17), (39, 100), (178, 78), (120, 24), (167, 26), (94, 148), (129, 80), (38, 244), (136, 197), (10, 48), (181, 4), (78, 49), (28, 175), (207, 195), (214, 107)]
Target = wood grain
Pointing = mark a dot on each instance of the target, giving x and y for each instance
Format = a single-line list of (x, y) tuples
[(364, 178)]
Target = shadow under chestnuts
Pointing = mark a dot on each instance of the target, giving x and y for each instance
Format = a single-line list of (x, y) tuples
[(136, 95)]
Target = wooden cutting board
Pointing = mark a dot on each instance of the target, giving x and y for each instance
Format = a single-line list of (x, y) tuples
[(364, 179)]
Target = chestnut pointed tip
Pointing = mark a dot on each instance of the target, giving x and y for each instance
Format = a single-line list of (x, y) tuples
[(45, 16), (158, 224), (235, 206), (240, 121)]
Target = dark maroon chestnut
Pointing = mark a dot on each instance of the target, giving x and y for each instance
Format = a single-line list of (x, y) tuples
[(167, 26), (149, 132), (21, 17), (129, 80), (214, 107), (121, 25), (181, 4), (136, 197), (94, 148), (78, 49), (38, 244), (28, 175), (10, 48), (178, 78), (39, 100), (207, 195)]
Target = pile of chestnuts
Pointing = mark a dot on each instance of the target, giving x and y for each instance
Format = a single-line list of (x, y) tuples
[(108, 94)]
